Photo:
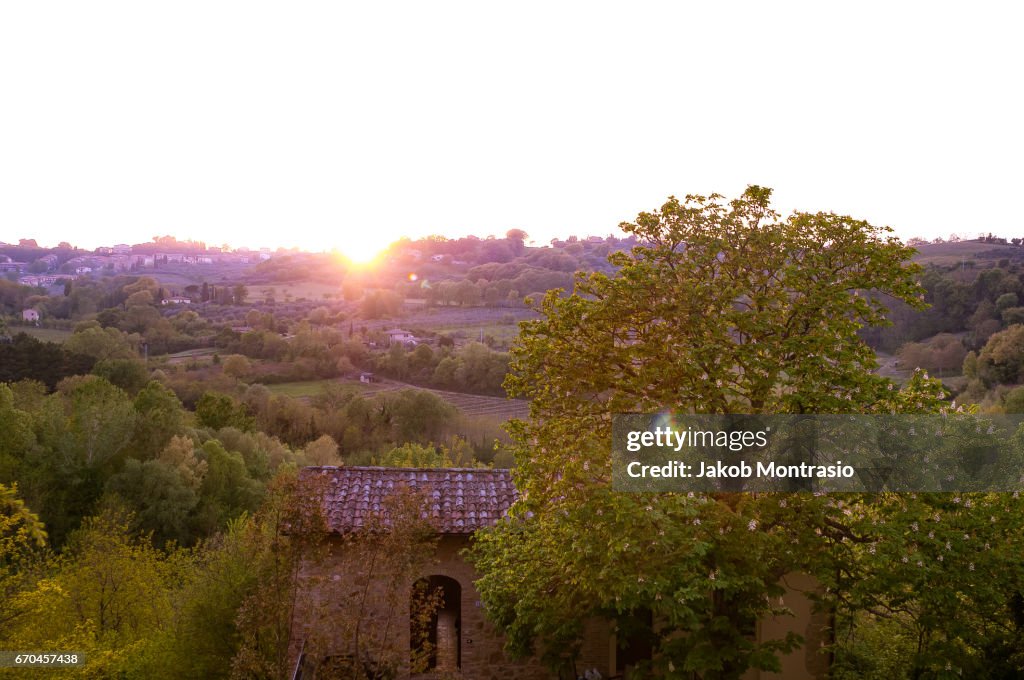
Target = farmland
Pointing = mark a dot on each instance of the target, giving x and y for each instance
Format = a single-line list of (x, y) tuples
[(455, 318), (44, 334), (960, 252), (468, 404)]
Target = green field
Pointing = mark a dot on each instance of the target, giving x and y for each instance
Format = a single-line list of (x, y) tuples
[(305, 388), (45, 334), (503, 334), (474, 405), (956, 253), (309, 290), (189, 353), (202, 355)]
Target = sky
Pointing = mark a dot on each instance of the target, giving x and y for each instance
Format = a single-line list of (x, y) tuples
[(348, 125)]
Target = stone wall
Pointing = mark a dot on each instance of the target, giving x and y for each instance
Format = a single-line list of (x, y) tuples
[(482, 655)]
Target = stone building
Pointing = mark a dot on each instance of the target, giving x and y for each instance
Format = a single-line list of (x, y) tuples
[(463, 643)]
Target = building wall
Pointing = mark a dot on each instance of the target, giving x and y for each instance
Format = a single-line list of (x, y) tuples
[(807, 662), (482, 655)]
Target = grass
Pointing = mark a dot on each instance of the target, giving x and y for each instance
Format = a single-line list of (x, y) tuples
[(189, 353), (44, 334), (503, 334), (470, 405), (305, 388), (310, 290), (956, 253)]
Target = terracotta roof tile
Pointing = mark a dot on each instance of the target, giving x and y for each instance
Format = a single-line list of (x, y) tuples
[(461, 499)]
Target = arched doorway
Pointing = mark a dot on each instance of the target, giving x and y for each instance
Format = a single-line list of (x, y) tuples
[(435, 625)]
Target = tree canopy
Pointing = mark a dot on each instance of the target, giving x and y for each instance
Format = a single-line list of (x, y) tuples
[(724, 307)]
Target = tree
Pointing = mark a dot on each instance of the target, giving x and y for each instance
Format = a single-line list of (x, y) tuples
[(94, 423), (142, 298), (322, 451), (516, 238), (420, 416), (380, 303), (28, 358), (21, 535), (102, 343), (160, 496), (128, 374), (226, 490), (293, 532), (239, 293), (319, 316), (944, 352), (467, 293), (429, 456), (237, 366), (1001, 360), (161, 418), (110, 590), (724, 308), (220, 410), (18, 437)]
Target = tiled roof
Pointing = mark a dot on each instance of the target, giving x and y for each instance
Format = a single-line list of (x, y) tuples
[(457, 500)]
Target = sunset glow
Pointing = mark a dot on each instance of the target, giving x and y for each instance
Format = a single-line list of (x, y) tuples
[(361, 250)]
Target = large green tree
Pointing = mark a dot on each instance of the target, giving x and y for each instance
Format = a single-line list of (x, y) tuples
[(724, 307)]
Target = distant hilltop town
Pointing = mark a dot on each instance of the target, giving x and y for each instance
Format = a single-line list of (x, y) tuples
[(32, 265)]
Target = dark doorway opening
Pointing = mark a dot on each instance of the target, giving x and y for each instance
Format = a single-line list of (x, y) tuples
[(435, 625)]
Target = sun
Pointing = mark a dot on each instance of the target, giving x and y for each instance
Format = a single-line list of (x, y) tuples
[(361, 250)]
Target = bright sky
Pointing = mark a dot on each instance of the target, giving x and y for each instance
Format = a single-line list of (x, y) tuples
[(345, 124)]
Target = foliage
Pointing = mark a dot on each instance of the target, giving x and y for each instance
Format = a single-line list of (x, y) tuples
[(358, 619), (295, 530), (220, 410), (102, 343), (944, 352), (26, 358), (725, 308), (322, 451), (1001, 360), (454, 455), (419, 416), (128, 374), (237, 366), (106, 593), (21, 537), (940, 575), (203, 638)]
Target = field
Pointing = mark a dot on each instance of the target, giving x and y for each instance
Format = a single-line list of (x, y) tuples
[(44, 334), (462, 323), (298, 290), (468, 404), (503, 333), (177, 276), (190, 355), (304, 389), (947, 254)]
